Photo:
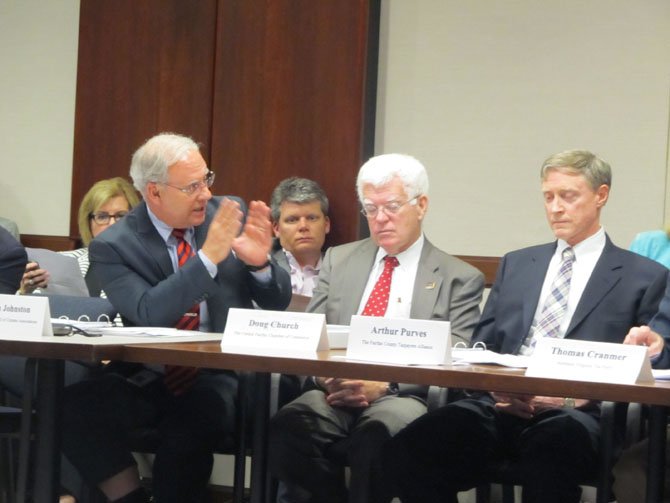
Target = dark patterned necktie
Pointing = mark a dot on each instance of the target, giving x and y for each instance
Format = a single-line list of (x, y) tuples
[(379, 297), (179, 379)]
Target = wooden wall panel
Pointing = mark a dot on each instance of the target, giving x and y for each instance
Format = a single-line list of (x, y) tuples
[(290, 82), (144, 67)]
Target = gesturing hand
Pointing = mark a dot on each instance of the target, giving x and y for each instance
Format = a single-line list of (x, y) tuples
[(222, 231), (253, 245)]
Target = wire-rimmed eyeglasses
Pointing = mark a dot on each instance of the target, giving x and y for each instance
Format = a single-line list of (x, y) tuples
[(390, 208), (197, 186)]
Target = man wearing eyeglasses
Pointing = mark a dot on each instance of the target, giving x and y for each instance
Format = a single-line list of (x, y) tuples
[(360, 416), (179, 259)]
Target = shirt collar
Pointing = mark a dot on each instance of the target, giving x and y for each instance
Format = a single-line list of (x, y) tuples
[(293, 263), (593, 243), (410, 255), (164, 229)]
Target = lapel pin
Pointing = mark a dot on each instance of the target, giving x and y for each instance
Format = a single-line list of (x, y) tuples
[(430, 286)]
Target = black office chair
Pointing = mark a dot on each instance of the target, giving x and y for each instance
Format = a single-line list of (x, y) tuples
[(613, 426), (71, 307), (238, 444)]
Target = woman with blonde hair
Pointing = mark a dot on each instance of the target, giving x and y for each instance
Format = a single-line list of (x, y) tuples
[(106, 202)]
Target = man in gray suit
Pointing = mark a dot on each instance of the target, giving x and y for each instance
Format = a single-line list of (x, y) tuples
[(180, 258), (580, 286), (360, 416), (299, 210)]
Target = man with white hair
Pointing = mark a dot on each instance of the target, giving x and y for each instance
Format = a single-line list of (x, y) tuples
[(421, 282), (181, 258)]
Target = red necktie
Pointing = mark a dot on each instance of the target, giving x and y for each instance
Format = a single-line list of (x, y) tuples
[(178, 379), (379, 297)]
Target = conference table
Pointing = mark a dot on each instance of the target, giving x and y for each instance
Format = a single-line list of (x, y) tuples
[(51, 353), (474, 377)]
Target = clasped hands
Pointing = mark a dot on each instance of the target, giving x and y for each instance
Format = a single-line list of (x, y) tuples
[(341, 392), (252, 245), (527, 406)]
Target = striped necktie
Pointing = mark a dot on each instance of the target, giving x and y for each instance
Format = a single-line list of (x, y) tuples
[(548, 323), (179, 379)]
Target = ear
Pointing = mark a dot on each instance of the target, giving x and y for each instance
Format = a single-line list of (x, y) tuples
[(275, 229), (153, 193), (422, 205), (327, 226), (602, 194)]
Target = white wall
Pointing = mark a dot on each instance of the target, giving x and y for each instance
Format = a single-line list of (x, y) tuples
[(38, 60), (483, 91)]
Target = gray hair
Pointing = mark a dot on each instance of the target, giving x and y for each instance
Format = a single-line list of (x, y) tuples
[(299, 191), (579, 162), (380, 170), (151, 161)]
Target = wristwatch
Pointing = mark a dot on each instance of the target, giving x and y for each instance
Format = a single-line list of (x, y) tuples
[(569, 403), (254, 268)]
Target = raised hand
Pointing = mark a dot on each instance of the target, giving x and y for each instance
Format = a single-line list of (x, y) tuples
[(253, 245), (222, 231)]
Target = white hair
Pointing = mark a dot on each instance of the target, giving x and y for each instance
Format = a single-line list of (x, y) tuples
[(382, 169)]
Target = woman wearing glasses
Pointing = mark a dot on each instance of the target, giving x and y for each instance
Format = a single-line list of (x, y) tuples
[(103, 205)]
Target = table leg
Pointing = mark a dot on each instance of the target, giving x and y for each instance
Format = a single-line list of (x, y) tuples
[(48, 400), (259, 447), (656, 467)]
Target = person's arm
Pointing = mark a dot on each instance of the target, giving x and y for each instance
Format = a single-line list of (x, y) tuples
[(12, 266)]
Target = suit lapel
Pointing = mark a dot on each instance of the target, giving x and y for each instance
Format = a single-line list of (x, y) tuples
[(356, 276), (538, 265), (149, 238), (605, 275), (427, 284)]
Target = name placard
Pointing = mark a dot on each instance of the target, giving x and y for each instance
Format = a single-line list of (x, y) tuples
[(395, 340), (590, 361), (24, 315), (274, 331)]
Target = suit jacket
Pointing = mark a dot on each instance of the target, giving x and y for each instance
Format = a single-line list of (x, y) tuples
[(13, 261), (455, 297), (661, 324), (624, 290), (132, 264), (279, 256)]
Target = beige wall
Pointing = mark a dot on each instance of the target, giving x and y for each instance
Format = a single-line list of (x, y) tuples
[(38, 57), (483, 91)]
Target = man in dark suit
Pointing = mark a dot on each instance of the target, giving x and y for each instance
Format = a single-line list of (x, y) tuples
[(602, 291), (360, 416), (13, 261), (177, 260)]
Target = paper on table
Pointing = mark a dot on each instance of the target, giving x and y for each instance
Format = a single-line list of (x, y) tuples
[(485, 356), (148, 332), (661, 374)]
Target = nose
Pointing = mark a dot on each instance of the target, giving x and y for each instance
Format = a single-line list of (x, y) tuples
[(205, 194), (381, 215)]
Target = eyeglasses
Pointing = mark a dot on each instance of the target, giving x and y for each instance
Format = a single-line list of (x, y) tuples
[(391, 208), (195, 187), (103, 218)]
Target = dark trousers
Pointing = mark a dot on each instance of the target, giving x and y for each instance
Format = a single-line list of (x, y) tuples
[(99, 415), (311, 442), (454, 448)]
